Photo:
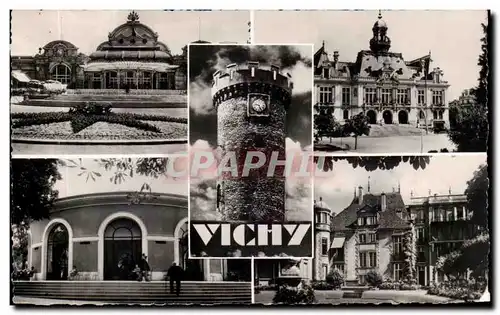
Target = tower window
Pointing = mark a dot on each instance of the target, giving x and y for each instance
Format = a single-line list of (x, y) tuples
[(324, 246)]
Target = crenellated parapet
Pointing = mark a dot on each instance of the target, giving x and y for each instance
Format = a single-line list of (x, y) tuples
[(240, 80)]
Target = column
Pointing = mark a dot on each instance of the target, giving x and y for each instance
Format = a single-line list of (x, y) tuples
[(455, 214), (118, 74), (101, 74), (137, 79)]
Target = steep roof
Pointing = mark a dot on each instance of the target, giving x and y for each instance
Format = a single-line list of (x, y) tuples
[(389, 219)]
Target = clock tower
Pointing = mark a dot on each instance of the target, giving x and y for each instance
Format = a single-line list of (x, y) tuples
[(251, 103)]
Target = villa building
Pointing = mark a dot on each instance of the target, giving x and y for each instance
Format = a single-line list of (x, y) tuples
[(369, 235), (381, 84)]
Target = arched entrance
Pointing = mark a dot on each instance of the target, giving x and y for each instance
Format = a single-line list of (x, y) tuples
[(372, 117), (61, 73), (57, 253), (122, 249), (193, 268), (421, 115), (387, 116), (403, 117)]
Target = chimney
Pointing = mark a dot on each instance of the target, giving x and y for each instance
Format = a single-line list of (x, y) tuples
[(383, 202), (360, 195)]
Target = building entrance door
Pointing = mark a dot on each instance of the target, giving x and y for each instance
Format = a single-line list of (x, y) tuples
[(421, 275), (122, 249), (372, 117), (387, 115), (57, 253)]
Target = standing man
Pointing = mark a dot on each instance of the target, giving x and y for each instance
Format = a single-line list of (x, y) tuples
[(175, 273), (145, 269)]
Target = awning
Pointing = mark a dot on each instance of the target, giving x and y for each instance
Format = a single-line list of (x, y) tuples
[(20, 76), (338, 242), (129, 65)]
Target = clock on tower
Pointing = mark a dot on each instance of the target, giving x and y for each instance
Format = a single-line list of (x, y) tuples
[(258, 104)]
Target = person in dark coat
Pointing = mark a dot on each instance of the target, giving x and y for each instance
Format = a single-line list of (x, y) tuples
[(145, 269), (175, 274)]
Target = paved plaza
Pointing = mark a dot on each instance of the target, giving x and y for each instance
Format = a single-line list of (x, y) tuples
[(392, 144)]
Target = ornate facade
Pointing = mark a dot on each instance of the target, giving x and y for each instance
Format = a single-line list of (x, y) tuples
[(93, 233), (381, 84), (132, 57)]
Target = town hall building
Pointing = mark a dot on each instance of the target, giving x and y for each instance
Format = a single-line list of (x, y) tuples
[(381, 84)]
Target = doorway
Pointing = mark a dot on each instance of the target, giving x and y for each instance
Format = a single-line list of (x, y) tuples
[(403, 117), (372, 117), (421, 275), (57, 253), (387, 116), (122, 249)]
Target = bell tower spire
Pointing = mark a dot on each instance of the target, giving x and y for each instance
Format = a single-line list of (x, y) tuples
[(380, 42)]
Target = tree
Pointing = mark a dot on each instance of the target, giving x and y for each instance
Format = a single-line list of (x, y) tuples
[(477, 196), (32, 189), (372, 163), (410, 254), (472, 129), (356, 126), (325, 125)]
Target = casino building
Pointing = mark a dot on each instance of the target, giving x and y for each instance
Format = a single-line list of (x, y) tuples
[(381, 84), (132, 56), (93, 233)]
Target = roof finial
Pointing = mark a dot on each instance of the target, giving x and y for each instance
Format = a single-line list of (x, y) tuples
[(323, 43), (368, 183), (133, 16), (449, 190), (379, 14), (399, 186)]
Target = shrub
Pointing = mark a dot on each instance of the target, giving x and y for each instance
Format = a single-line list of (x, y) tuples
[(373, 278), (459, 289), (389, 285), (335, 279), (322, 285), (302, 294)]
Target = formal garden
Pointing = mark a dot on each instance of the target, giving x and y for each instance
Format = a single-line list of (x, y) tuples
[(91, 121)]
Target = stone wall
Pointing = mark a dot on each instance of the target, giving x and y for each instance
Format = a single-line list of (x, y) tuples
[(351, 259), (385, 252), (85, 256), (256, 197), (160, 255)]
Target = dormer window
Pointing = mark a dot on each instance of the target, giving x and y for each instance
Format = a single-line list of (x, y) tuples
[(326, 73), (371, 220)]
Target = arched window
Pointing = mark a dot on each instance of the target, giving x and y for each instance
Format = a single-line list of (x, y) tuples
[(61, 73), (57, 253)]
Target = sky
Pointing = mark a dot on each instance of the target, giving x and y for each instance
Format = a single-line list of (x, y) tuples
[(443, 172), (293, 59), (453, 37), (73, 185), (87, 29)]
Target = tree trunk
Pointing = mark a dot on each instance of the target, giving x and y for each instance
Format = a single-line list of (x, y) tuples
[(355, 143)]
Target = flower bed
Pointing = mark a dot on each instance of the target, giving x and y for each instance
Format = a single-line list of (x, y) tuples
[(467, 290), (399, 285), (96, 122)]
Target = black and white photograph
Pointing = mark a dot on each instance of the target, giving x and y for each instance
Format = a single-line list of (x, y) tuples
[(391, 229), (402, 81), (110, 231), (250, 130), (120, 88)]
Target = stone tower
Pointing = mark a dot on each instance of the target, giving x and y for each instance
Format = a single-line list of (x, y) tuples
[(251, 104), (322, 231)]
